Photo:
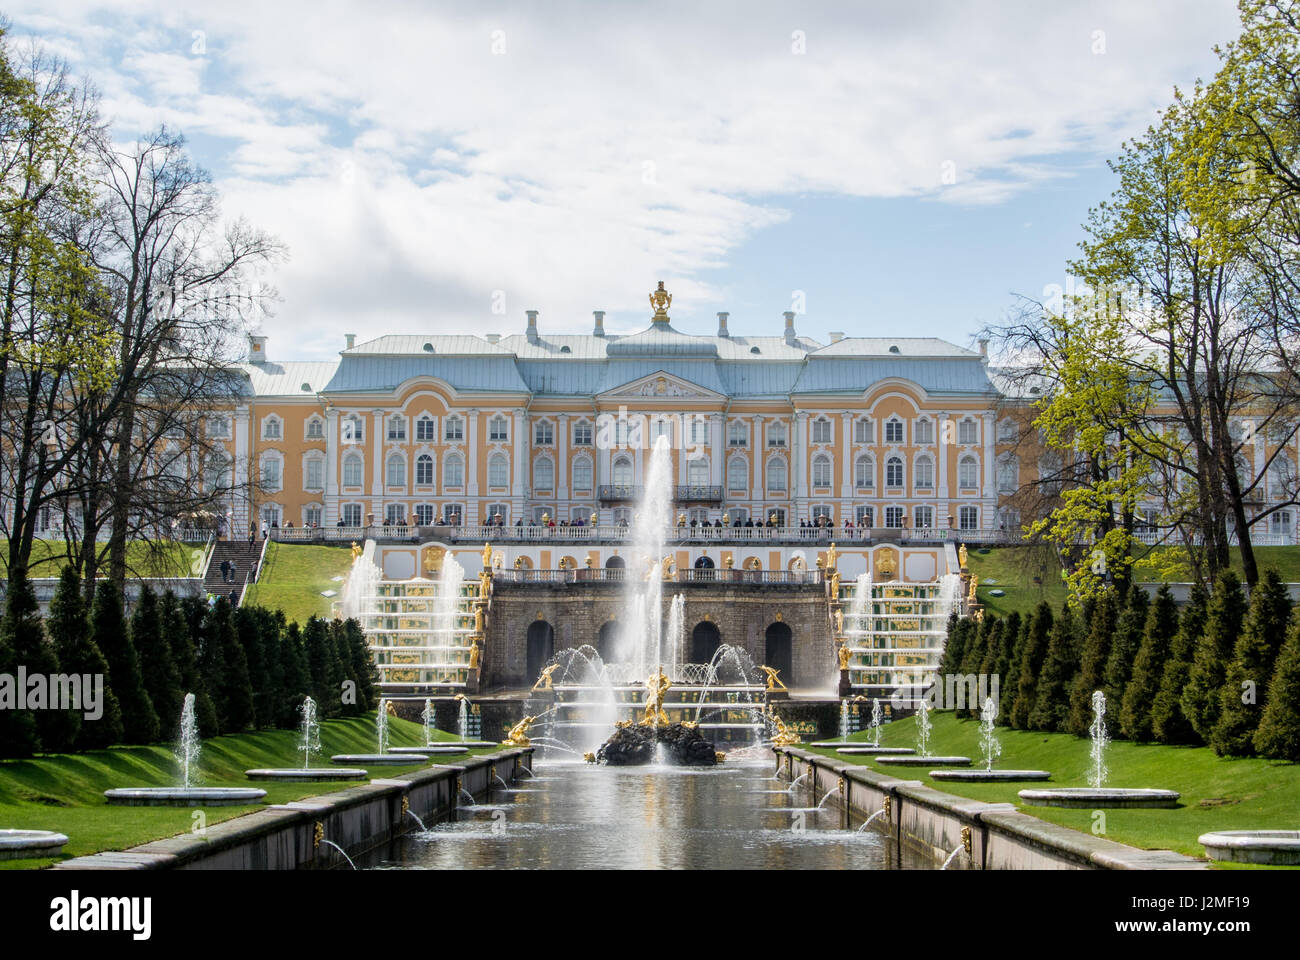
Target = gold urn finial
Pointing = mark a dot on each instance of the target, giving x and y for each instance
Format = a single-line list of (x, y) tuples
[(661, 300)]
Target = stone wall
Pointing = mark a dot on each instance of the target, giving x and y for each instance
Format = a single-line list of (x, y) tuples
[(741, 612)]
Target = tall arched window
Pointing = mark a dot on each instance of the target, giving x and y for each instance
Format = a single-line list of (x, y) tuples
[(776, 475), (622, 472), (424, 470), (697, 472), (864, 473), (924, 471), (968, 472), (894, 472), (217, 475), (543, 474), (395, 470), (821, 471), (498, 471), (582, 473), (1008, 475), (737, 476), (924, 431), (453, 471), (352, 470)]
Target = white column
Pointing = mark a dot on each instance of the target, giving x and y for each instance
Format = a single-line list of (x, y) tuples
[(990, 492), (242, 510), (330, 512), (377, 484), (519, 451), (846, 453), (717, 438), (941, 425), (561, 462), (799, 460), (757, 441)]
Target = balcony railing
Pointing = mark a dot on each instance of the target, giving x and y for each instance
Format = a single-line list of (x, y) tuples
[(617, 492), (688, 575), (697, 493)]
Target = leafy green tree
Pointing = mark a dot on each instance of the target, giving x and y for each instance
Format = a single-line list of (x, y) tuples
[(157, 662), (1223, 622), (1245, 687), (1168, 722), (1092, 663), (1149, 667), (1061, 664), (1123, 651), (1278, 735), (1031, 663), (108, 626)]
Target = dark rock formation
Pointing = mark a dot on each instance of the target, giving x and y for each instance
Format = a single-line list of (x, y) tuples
[(683, 745)]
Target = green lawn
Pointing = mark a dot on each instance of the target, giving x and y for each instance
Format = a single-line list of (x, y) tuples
[(1004, 568), (65, 792), (294, 576), (1217, 793), (156, 558)]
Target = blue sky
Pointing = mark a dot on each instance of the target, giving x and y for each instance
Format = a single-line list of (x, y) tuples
[(440, 168)]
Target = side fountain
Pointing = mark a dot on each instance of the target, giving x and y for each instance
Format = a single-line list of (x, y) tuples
[(29, 844), (310, 747), (1277, 848), (992, 748), (187, 794), (385, 757), (922, 757), (1097, 794), (873, 747)]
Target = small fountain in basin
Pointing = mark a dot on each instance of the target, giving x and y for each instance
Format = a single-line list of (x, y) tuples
[(1097, 794), (922, 756), (29, 844), (384, 757), (187, 794), (310, 747), (992, 749), (873, 747)]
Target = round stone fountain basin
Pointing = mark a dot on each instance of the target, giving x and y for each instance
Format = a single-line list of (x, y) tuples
[(990, 776), (836, 743), (858, 750), (915, 761), (1092, 797), (380, 759), (292, 774), (24, 844), (435, 750), (1274, 847), (183, 797)]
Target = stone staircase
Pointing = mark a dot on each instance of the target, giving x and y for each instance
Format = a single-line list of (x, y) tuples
[(243, 556)]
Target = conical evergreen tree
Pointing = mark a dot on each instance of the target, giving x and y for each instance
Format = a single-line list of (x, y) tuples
[(363, 666), (157, 663), (181, 632), (1031, 663), (323, 667), (1008, 666), (1092, 664), (1223, 622), (1149, 667), (297, 678), (79, 654), (955, 646), (994, 651), (1119, 665), (1060, 665), (236, 688), (352, 706), (248, 629), (212, 667), (22, 643), (1278, 735), (1168, 722), (972, 657), (107, 625), (1245, 687)]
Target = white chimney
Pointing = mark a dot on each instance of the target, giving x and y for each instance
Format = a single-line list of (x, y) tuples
[(837, 336), (599, 330), (492, 337), (984, 349), (350, 339), (722, 323), (789, 326), (256, 348), (532, 325)]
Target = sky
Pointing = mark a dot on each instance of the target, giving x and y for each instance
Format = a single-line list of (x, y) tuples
[(877, 167)]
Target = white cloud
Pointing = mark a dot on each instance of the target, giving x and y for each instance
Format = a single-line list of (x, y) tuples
[(413, 172)]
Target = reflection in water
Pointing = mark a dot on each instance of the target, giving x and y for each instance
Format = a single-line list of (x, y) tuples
[(575, 816)]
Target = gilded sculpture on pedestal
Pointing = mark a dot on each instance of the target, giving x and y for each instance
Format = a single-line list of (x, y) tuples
[(773, 680)]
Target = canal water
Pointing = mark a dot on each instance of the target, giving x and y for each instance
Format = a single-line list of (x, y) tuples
[(575, 815)]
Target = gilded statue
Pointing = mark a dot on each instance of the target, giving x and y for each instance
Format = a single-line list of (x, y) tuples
[(519, 563), (356, 551), (728, 562), (961, 556), (974, 582), (478, 618), (473, 654), (595, 519), (487, 556), (887, 565), (719, 756), (564, 563), (668, 567), (843, 654), (544, 679), (518, 735), (839, 622), (660, 301), (589, 563), (589, 757), (773, 680), (832, 557), (483, 579), (785, 737), (835, 585), (656, 687)]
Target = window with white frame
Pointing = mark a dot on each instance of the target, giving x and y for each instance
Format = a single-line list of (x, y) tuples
[(821, 430), (352, 470), (923, 517), (272, 428), (1008, 475), (622, 432), (893, 430), (314, 473), (737, 434), (395, 515), (424, 470), (1008, 431), (353, 429), (217, 474), (498, 430), (271, 514), (968, 518), (737, 475), (894, 472), (312, 515), (775, 475), (498, 470), (821, 471), (893, 517), (738, 516), (821, 513), (864, 430), (864, 473), (622, 472), (453, 471), (395, 470), (453, 514), (925, 431), (1050, 469), (924, 472), (967, 431), (697, 472), (315, 428), (661, 428), (543, 474), (498, 513), (699, 431), (218, 427), (582, 473), (350, 514), (864, 516), (698, 515), (455, 429), (968, 472), (396, 427), (622, 515), (426, 429), (271, 471), (583, 433), (543, 433), (776, 433), (424, 514)]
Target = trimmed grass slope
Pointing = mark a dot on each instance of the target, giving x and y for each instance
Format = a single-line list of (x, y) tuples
[(294, 576)]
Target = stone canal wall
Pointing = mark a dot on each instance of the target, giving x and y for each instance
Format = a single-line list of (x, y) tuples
[(284, 836), (931, 822)]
